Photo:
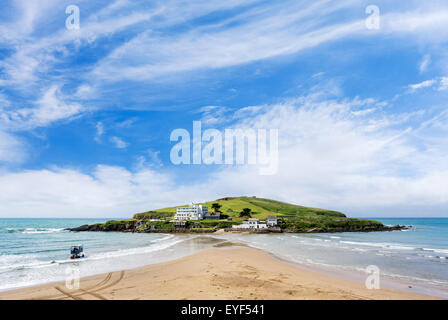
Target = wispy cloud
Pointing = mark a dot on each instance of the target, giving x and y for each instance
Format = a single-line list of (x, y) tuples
[(337, 151), (334, 149), (260, 33), (12, 149), (99, 131), (151, 158), (214, 115), (34, 56), (4, 101), (423, 84), (153, 48), (426, 61), (440, 84), (443, 84), (257, 34), (118, 142), (338, 158), (50, 107)]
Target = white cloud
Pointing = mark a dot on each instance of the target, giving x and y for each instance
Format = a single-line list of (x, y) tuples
[(151, 159), (51, 107), (424, 84), (119, 143), (108, 191), (424, 24), (85, 91), (328, 157), (318, 75), (331, 158), (33, 56), (212, 115), (264, 32), (425, 63), (154, 157), (30, 14), (443, 84), (113, 7), (4, 101), (196, 51), (331, 154), (99, 131), (12, 149), (128, 123), (261, 33)]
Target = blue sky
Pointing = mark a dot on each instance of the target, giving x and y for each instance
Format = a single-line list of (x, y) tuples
[(86, 115)]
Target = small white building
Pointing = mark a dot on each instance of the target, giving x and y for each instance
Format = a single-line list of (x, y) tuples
[(252, 223), (193, 212), (271, 221)]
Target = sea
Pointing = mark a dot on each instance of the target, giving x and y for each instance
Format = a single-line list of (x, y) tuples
[(37, 251)]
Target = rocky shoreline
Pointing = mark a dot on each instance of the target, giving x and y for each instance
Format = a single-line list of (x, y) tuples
[(130, 227)]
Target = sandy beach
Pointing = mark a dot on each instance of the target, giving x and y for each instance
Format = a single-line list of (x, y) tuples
[(224, 272)]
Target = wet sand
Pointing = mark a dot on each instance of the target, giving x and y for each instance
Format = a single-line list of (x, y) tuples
[(227, 271)]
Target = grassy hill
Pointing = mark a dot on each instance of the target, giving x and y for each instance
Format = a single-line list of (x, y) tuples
[(260, 207), (292, 218)]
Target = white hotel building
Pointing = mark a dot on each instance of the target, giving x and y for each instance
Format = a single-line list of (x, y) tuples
[(252, 223), (193, 212)]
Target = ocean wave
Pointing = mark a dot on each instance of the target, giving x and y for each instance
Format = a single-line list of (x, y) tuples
[(170, 236), (32, 230), (415, 278), (436, 250), (134, 251), (380, 245), (362, 270), (19, 264), (16, 262), (391, 246)]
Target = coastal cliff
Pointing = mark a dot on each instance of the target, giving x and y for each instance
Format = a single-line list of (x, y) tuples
[(232, 211)]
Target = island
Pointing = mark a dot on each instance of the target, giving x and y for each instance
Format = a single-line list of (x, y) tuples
[(240, 214)]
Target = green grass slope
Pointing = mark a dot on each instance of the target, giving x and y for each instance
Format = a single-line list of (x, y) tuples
[(260, 207), (291, 217), (294, 217)]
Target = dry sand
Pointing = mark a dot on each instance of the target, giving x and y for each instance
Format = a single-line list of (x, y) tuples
[(224, 272)]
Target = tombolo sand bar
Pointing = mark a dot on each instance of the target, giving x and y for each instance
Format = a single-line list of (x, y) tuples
[(224, 272)]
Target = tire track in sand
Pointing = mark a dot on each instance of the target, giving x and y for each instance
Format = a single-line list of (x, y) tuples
[(97, 295), (110, 284), (58, 296), (68, 294), (93, 291)]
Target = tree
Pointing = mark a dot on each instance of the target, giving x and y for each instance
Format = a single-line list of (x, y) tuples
[(216, 206), (245, 213)]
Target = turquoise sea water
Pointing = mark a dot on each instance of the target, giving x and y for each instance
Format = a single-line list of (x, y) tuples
[(34, 251), (416, 258)]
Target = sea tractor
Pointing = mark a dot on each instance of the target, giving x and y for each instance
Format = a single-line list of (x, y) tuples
[(76, 252)]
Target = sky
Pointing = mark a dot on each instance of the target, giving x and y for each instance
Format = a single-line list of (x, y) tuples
[(358, 96)]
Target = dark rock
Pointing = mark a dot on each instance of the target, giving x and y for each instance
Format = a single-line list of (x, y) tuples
[(130, 226)]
